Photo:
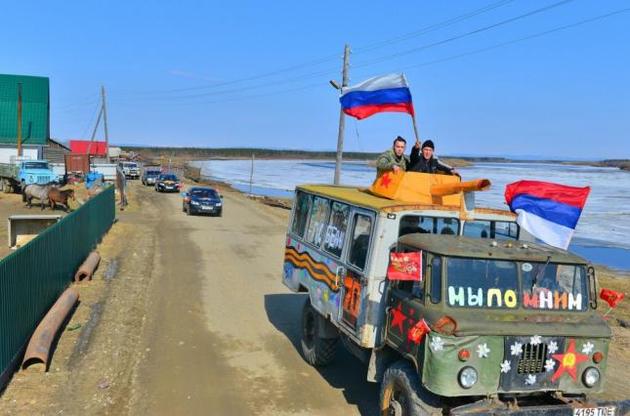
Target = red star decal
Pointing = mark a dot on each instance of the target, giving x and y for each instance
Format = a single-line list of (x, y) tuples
[(398, 318), (385, 180), (568, 362)]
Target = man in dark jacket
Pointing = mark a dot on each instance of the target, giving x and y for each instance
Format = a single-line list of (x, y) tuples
[(425, 162)]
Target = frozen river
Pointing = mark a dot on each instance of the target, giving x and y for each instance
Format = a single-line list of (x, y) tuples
[(601, 235)]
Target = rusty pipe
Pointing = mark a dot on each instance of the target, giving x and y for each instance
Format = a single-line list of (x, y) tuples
[(38, 347), (87, 268), (453, 188)]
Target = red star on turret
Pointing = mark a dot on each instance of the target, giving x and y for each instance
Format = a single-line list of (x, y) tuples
[(398, 318), (568, 362), (385, 180)]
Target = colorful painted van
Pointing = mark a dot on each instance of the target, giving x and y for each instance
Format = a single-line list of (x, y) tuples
[(338, 249)]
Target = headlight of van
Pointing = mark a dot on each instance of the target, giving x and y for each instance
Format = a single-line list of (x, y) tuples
[(194, 202), (217, 204), (590, 377), (467, 377)]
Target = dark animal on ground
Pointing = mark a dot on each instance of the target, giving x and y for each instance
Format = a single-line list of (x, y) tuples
[(35, 191), (58, 197)]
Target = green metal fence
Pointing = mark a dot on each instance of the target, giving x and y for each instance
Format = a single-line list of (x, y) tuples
[(33, 277)]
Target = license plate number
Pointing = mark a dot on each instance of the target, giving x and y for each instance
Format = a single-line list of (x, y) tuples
[(594, 411), (207, 208)]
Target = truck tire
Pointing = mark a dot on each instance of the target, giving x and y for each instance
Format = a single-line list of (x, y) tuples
[(317, 351), (402, 395)]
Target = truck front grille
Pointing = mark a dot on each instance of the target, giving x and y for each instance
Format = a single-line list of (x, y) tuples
[(43, 180), (532, 360)]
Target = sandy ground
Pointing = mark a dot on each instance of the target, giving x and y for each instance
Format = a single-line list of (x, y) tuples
[(187, 315)]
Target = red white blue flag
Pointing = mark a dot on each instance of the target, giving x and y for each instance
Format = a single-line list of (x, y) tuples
[(548, 211), (387, 93)]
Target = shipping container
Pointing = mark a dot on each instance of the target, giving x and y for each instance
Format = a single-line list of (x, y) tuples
[(77, 163), (94, 148)]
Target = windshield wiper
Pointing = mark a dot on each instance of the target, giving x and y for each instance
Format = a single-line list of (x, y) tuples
[(540, 273)]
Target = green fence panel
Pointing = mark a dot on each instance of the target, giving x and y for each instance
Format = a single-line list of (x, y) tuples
[(35, 275)]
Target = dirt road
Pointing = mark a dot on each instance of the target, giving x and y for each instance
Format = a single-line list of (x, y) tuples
[(222, 335)]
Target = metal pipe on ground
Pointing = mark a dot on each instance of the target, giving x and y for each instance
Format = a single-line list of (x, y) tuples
[(38, 349), (87, 268)]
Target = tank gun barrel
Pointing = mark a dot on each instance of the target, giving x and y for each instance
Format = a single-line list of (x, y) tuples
[(444, 189)]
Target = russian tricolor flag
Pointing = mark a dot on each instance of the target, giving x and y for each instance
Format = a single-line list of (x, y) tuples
[(387, 93), (548, 211)]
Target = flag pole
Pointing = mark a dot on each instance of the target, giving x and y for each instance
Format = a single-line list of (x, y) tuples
[(415, 126)]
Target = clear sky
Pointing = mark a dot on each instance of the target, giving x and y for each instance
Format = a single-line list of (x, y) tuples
[(255, 74)]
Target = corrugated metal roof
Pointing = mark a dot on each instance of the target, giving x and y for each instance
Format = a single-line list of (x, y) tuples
[(35, 109)]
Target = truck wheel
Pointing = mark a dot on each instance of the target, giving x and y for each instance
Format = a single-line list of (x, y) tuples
[(402, 395), (317, 351)]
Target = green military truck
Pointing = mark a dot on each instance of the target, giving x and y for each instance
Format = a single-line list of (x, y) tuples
[(490, 323)]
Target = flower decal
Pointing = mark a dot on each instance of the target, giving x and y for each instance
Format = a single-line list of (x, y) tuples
[(587, 348), (552, 347), (506, 366), (516, 348), (437, 344), (530, 380), (535, 340), (483, 350), (549, 364)]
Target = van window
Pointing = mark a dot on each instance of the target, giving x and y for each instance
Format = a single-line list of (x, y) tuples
[(499, 230), (303, 204), (336, 229), (360, 240), (318, 219), (428, 225)]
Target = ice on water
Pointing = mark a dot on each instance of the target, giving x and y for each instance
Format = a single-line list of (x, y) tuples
[(605, 219)]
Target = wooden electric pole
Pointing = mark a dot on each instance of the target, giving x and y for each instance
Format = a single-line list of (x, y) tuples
[(342, 116), (19, 119), (104, 106)]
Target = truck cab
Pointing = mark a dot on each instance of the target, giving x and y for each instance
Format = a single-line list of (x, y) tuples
[(130, 169), (479, 322), (35, 171)]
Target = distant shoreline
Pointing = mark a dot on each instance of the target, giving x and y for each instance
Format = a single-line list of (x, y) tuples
[(185, 154)]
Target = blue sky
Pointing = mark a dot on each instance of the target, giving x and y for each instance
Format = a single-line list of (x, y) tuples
[(194, 73)]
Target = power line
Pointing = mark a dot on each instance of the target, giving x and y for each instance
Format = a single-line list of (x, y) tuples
[(446, 59), (464, 35), (367, 63), (363, 49)]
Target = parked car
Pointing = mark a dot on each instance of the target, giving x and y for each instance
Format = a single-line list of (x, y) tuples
[(202, 201), (149, 176), (167, 182), (130, 169)]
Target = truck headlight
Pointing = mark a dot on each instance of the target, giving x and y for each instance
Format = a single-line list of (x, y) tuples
[(467, 377), (590, 377)]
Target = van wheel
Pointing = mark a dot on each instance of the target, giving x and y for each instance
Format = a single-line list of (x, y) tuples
[(402, 395), (317, 351)]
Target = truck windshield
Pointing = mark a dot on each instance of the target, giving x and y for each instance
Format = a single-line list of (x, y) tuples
[(554, 286), (35, 165), (481, 283), (499, 230)]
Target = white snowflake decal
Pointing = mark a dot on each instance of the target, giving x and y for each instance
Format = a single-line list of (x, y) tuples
[(549, 364), (506, 366), (530, 380), (587, 348), (552, 347), (516, 348), (483, 350), (535, 340), (437, 344)]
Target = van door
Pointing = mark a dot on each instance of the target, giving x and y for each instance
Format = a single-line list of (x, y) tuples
[(356, 262), (405, 304)]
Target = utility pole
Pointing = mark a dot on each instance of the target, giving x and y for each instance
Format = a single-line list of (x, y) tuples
[(342, 116), (19, 119), (104, 106)]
